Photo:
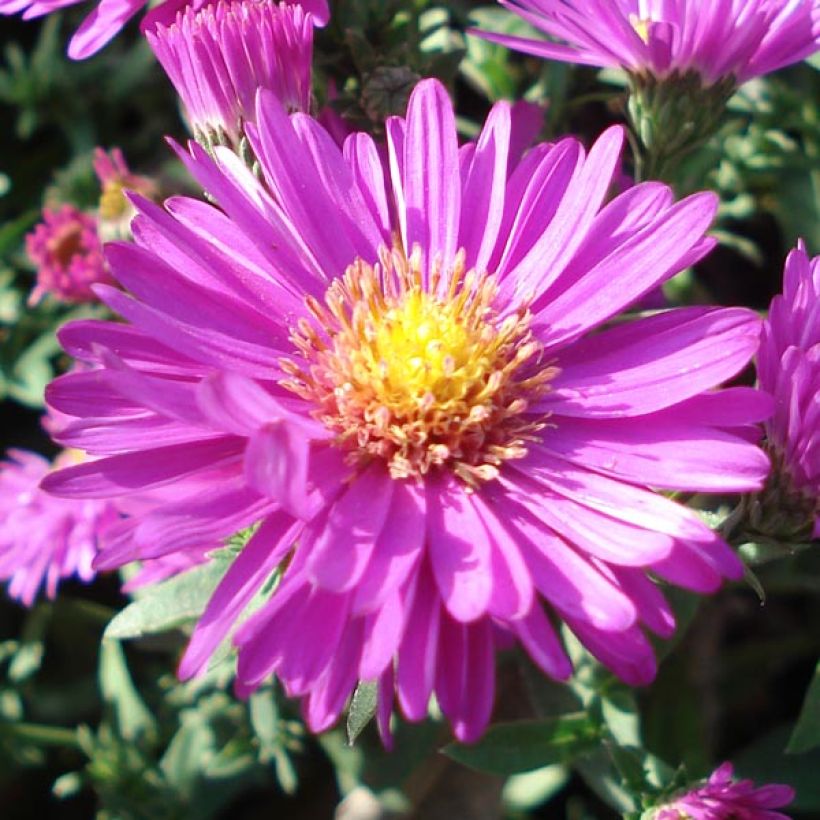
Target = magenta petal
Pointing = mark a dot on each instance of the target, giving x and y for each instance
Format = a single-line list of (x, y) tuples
[(123, 474), (384, 630), (652, 363), (342, 551), (465, 681), (304, 661), (419, 650), (632, 269), (384, 709), (484, 188), (628, 654), (281, 463), (460, 550), (567, 580), (430, 182), (650, 450), (327, 700), (398, 548), (513, 591), (542, 644)]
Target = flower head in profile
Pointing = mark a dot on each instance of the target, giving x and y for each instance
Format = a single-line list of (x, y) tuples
[(115, 210), (45, 539), (400, 370), (67, 250), (722, 798), (217, 58), (109, 16), (788, 366), (728, 39)]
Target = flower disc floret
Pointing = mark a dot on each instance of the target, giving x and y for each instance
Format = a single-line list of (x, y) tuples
[(418, 376)]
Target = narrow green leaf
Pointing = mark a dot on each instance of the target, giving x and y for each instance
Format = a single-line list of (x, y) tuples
[(806, 734), (117, 688), (170, 603), (362, 709), (521, 746)]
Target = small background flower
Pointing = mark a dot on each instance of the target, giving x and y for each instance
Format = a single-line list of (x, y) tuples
[(108, 18), (67, 251), (788, 366), (738, 39), (723, 798), (44, 539)]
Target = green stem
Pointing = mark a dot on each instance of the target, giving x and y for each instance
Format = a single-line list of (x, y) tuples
[(42, 735)]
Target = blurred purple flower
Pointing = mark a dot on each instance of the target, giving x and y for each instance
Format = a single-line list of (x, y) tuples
[(433, 450), (109, 16), (44, 539), (717, 39), (219, 56), (68, 254), (788, 365), (719, 798)]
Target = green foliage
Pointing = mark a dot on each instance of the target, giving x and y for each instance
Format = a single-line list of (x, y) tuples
[(806, 733), (171, 603), (521, 746)]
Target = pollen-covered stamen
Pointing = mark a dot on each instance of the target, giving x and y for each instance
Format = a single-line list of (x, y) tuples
[(420, 376)]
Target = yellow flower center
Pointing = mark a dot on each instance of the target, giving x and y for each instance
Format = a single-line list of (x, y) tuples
[(113, 204), (641, 26), (421, 377)]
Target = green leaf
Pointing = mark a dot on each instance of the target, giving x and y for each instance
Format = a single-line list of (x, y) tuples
[(189, 752), (521, 746), (171, 603), (117, 688), (362, 709), (806, 734), (523, 792)]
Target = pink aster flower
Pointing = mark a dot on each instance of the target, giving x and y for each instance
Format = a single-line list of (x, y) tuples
[(402, 374), (717, 39), (218, 57), (721, 798), (44, 539), (109, 16), (788, 366), (68, 254)]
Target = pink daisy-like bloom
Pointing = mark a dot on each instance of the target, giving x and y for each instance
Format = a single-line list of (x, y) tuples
[(721, 798), (402, 372), (109, 16), (44, 539), (218, 57), (717, 39), (788, 367), (68, 254)]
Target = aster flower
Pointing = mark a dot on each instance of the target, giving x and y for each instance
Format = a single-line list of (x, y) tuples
[(684, 58), (721, 798), (788, 366), (716, 39), (44, 539), (68, 254), (115, 210), (109, 16), (399, 373), (218, 57)]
